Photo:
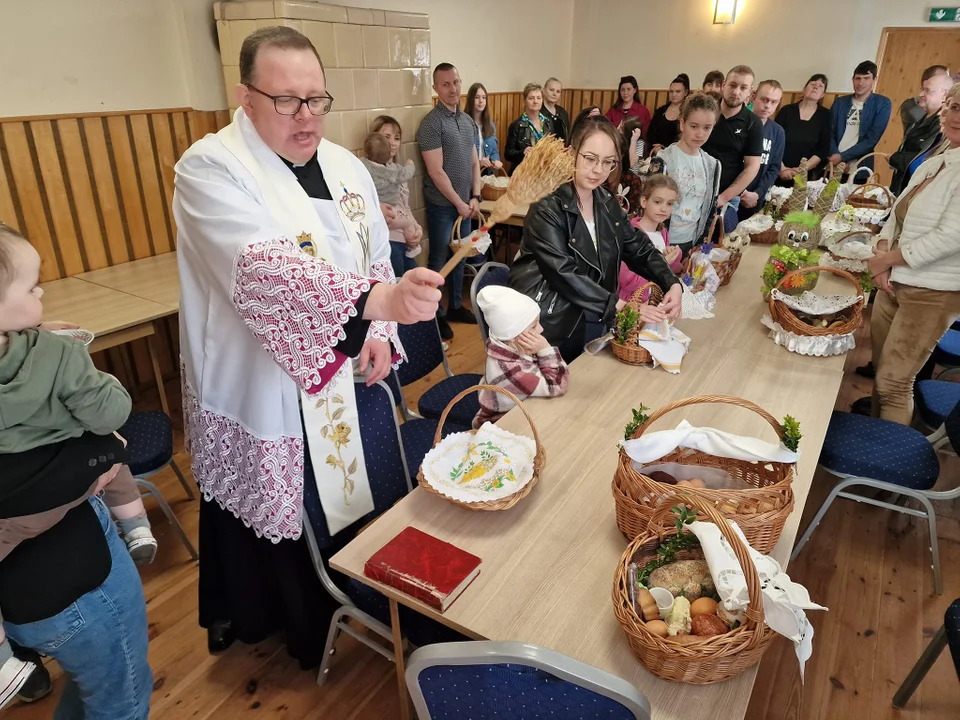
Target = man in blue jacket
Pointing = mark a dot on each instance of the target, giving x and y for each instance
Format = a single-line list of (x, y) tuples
[(859, 120)]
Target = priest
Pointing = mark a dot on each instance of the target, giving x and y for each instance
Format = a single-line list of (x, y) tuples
[(287, 293)]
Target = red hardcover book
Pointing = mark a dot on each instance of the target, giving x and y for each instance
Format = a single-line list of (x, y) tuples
[(431, 570)]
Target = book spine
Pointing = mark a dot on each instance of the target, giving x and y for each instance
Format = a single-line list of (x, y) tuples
[(399, 582)]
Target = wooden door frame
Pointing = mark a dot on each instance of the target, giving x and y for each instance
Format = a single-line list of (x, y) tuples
[(885, 34)]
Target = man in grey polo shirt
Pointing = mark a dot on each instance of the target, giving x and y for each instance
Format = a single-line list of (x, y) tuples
[(451, 187)]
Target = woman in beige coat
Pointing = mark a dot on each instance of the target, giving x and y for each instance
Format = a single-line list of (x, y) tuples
[(917, 268)]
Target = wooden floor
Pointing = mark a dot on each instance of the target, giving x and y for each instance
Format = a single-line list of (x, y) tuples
[(870, 569)]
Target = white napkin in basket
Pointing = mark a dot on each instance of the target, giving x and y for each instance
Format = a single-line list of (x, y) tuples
[(784, 601), (654, 446)]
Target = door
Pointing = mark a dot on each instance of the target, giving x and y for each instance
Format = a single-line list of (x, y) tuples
[(903, 56)]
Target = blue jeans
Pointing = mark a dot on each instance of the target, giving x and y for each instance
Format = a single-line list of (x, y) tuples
[(440, 221), (100, 641), (730, 219), (398, 258)]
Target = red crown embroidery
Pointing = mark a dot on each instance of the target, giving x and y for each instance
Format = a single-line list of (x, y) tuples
[(352, 205)]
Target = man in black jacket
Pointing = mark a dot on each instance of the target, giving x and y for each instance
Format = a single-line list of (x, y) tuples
[(923, 135)]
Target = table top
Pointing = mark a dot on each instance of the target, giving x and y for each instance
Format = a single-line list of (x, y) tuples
[(100, 310), (487, 206), (548, 564), (154, 278)]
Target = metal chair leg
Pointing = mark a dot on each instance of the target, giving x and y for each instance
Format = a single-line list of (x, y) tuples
[(171, 516), (934, 543), (183, 480), (330, 648), (818, 517), (921, 669)]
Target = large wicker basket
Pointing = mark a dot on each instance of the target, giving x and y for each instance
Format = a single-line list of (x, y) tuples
[(853, 315), (691, 659), (725, 268), (490, 192), (456, 237), (630, 352), (539, 459), (761, 510)]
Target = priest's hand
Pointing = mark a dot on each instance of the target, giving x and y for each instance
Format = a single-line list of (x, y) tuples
[(376, 354), (413, 299)]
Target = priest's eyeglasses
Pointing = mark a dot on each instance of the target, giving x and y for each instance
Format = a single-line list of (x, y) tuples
[(290, 105)]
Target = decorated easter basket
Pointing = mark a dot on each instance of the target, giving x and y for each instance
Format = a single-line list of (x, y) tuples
[(760, 509), (491, 191), (725, 268), (456, 237), (629, 351), (691, 658), (502, 503), (786, 317)]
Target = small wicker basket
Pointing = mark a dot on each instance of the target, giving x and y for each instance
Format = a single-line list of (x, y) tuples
[(725, 268), (690, 658), (504, 503), (761, 510), (853, 315), (767, 237), (491, 192), (630, 352), (858, 198), (456, 236)]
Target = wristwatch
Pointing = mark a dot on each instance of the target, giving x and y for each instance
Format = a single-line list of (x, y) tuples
[(478, 198)]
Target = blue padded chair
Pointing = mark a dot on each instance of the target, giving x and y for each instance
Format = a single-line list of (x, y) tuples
[(418, 438), (934, 400), (425, 354), (389, 483), (149, 437), (947, 354), (482, 680), (948, 634), (492, 273), (888, 456)]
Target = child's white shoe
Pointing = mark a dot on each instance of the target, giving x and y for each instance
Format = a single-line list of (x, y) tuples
[(142, 545), (13, 674)]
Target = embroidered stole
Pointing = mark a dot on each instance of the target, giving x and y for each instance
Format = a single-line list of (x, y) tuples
[(330, 418)]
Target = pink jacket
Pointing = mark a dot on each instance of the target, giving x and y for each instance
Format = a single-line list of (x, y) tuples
[(630, 281)]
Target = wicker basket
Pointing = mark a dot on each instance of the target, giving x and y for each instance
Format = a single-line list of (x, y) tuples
[(853, 315), (761, 510), (539, 459), (630, 352), (489, 192), (456, 237), (858, 198), (839, 258), (767, 237), (725, 268), (692, 659), (856, 168)]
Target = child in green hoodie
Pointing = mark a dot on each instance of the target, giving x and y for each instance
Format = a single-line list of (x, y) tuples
[(50, 391)]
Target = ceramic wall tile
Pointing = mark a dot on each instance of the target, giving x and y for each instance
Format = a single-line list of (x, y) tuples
[(403, 116), (353, 129), (379, 17), (231, 78), (239, 29), (321, 35), (411, 151), (349, 41), (309, 10), (286, 22), (376, 50), (366, 91), (391, 88), (399, 41), (247, 10), (417, 114), (223, 38), (340, 86), (420, 48), (413, 85), (359, 16), (333, 127), (407, 20)]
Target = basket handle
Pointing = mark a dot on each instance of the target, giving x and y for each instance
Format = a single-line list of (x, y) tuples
[(754, 612), (817, 268), (656, 296), (492, 388), (856, 166), (708, 400), (455, 235), (862, 190)]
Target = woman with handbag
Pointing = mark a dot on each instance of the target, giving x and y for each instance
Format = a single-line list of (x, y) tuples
[(528, 129), (917, 268), (573, 243)]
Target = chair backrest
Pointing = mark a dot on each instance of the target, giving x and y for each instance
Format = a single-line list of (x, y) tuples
[(424, 349), (480, 680), (492, 273), (384, 458)]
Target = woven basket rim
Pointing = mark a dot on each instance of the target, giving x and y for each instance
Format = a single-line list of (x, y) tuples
[(789, 321)]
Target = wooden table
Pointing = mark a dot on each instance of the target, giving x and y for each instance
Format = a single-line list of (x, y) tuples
[(519, 214), (119, 304), (548, 564)]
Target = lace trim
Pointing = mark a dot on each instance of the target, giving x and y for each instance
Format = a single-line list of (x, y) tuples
[(382, 271), (295, 305), (259, 481)]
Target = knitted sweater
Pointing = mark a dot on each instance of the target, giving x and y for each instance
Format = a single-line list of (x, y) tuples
[(542, 375)]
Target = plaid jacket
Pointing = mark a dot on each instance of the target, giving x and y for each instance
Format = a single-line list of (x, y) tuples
[(542, 375)]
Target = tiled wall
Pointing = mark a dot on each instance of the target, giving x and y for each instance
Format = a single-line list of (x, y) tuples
[(377, 62)]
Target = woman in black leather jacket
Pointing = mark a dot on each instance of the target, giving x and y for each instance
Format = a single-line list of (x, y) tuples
[(528, 129), (573, 242)]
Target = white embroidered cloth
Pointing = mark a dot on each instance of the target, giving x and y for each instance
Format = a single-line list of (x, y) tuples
[(871, 216), (488, 465), (817, 346), (755, 224), (779, 193), (696, 305), (784, 601), (854, 266), (854, 247), (665, 343), (653, 446), (812, 304)]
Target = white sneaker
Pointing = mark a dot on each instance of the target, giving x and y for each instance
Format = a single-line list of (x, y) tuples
[(142, 545), (13, 674)]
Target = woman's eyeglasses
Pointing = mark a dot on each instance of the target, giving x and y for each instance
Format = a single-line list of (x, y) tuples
[(591, 161), (290, 105)]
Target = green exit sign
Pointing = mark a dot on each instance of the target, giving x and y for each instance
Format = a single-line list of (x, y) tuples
[(951, 14)]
